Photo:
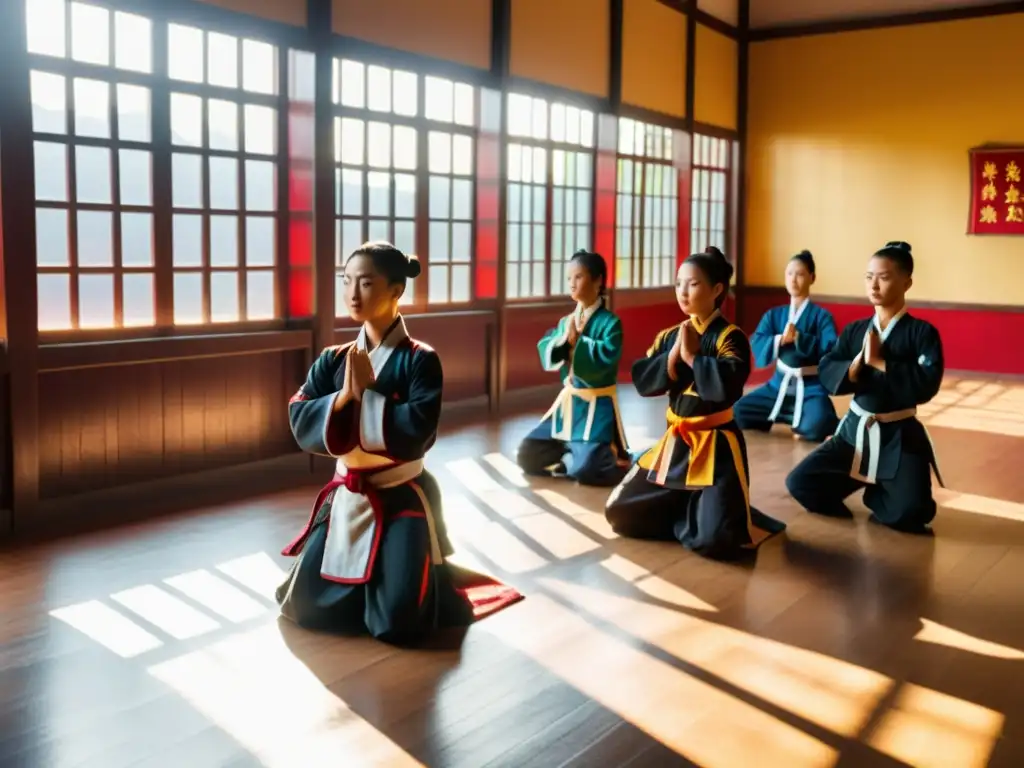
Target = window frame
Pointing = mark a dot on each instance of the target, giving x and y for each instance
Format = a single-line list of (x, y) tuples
[(642, 200), (711, 169), (565, 100), (369, 56), (160, 85)]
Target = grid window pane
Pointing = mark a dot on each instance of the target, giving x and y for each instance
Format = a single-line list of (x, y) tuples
[(710, 193)]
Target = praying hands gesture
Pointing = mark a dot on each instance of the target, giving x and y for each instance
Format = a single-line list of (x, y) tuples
[(873, 355), (789, 336), (358, 376), (572, 331), (686, 348)]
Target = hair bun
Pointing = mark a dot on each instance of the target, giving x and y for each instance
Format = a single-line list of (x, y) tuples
[(899, 244), (413, 267), (806, 254), (713, 250)]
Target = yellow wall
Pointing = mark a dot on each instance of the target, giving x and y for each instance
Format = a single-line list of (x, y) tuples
[(561, 42), (654, 57), (862, 137), (285, 11), (456, 30), (716, 64)]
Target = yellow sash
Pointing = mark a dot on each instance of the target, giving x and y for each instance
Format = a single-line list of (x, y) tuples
[(563, 403), (698, 432)]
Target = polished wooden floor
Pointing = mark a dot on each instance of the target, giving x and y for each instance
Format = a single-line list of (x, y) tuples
[(844, 644)]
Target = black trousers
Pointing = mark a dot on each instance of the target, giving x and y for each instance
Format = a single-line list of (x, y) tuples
[(822, 481)]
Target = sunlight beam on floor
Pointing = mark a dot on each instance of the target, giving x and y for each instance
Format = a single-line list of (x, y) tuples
[(593, 521), (693, 718), (938, 634), (467, 523), (507, 468), (929, 729), (253, 687), (257, 572), (980, 505), (217, 595), (161, 609), (112, 630), (831, 693)]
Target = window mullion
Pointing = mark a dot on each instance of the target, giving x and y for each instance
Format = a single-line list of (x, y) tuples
[(160, 111)]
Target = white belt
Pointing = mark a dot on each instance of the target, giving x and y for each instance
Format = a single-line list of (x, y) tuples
[(867, 425), (352, 532), (563, 403), (789, 374)]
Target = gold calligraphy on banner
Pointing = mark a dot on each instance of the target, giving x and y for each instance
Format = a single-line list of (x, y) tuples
[(997, 205)]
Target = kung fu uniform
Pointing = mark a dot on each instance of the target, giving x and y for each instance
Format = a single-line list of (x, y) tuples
[(794, 396), (880, 445), (372, 555), (581, 434), (693, 485)]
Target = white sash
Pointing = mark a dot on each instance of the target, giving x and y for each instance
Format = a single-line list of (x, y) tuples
[(353, 533), (564, 402), (789, 375), (867, 427)]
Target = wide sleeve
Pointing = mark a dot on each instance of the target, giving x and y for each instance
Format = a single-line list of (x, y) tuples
[(765, 341), (917, 380), (834, 367), (721, 378), (553, 347), (650, 373), (594, 356), (405, 430), (818, 343), (317, 427)]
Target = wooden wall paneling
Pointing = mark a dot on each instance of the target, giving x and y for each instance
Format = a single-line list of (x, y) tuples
[(526, 324), (17, 249)]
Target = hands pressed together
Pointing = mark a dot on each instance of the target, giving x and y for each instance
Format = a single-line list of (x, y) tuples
[(358, 376), (686, 348), (871, 354), (789, 337)]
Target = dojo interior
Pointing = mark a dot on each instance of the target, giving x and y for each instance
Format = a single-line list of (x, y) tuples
[(178, 183)]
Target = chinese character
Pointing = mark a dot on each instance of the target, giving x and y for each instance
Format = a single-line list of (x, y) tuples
[(988, 215), (1015, 214), (990, 171), (1012, 171), (1012, 195), (988, 192)]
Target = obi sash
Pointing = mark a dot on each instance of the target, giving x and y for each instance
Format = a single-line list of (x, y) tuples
[(356, 520), (790, 374), (870, 433), (698, 434), (563, 405)]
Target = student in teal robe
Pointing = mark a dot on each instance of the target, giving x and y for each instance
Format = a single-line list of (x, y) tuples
[(793, 338), (581, 436), (372, 557)]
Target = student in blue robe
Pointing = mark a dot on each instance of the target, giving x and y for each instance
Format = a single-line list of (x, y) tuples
[(693, 485), (891, 363), (581, 436), (372, 557), (794, 338)]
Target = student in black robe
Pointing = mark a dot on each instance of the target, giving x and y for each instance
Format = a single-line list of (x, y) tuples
[(693, 485), (891, 363), (372, 555)]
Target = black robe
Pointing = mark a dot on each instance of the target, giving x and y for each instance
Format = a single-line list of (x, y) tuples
[(372, 555), (879, 444), (693, 485)]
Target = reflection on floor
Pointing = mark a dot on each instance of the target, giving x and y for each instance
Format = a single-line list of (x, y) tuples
[(844, 644)]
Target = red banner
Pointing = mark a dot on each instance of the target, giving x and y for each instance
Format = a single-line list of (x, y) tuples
[(997, 191)]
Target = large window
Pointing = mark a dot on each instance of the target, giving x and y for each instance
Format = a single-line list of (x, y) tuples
[(550, 193), (93, 145), (401, 138), (224, 120), (107, 174), (710, 194), (647, 211)]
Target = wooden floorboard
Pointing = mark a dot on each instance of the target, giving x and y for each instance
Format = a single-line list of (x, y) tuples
[(842, 644)]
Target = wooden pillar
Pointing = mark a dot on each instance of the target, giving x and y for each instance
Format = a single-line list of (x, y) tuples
[(319, 21), (691, 64), (18, 249), (501, 52), (740, 156)]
